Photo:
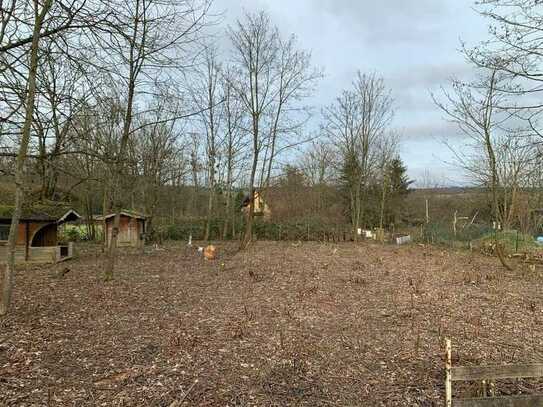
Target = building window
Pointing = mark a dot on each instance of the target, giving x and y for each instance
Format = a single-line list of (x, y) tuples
[(4, 232)]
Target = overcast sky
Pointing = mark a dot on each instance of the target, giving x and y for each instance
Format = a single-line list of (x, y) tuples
[(413, 44)]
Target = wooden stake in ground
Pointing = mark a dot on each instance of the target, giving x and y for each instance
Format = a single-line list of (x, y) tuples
[(427, 213), (448, 378)]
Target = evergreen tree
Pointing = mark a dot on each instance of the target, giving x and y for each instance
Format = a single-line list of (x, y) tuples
[(399, 184), (399, 181)]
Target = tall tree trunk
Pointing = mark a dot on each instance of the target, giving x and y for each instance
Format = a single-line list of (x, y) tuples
[(358, 210), (91, 230), (105, 211), (226, 214), (248, 236), (210, 198), (490, 150), (7, 281), (233, 224), (119, 165), (112, 246), (228, 209), (383, 201)]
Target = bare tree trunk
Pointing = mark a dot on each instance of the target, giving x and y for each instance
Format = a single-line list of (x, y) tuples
[(358, 206), (196, 186), (233, 225), (248, 236), (255, 116), (383, 200), (210, 201), (7, 281), (211, 184), (226, 218), (490, 148), (110, 260), (257, 47), (91, 231), (134, 68), (228, 202), (119, 171)]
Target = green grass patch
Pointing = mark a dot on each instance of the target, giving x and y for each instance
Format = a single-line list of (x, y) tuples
[(511, 240)]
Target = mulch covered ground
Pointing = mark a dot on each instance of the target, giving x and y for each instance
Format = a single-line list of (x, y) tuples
[(278, 325)]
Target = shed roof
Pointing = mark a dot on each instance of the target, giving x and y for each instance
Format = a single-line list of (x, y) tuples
[(124, 212), (41, 213)]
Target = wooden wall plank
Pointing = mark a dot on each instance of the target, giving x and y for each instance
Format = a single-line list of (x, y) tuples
[(35, 254), (466, 373), (513, 401)]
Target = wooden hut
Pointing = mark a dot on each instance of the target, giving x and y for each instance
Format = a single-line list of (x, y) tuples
[(131, 228), (261, 208), (37, 233)]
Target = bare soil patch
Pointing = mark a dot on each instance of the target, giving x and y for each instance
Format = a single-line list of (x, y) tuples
[(278, 325)]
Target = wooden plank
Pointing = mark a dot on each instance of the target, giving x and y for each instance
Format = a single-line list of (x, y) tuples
[(496, 372), (46, 254), (35, 254), (512, 401)]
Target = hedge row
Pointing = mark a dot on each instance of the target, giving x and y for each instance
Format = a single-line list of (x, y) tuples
[(181, 230)]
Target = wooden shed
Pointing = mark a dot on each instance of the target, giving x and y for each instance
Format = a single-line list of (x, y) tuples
[(37, 233), (261, 208), (131, 228)]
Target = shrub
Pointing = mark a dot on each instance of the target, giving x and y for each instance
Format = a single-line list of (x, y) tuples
[(511, 240)]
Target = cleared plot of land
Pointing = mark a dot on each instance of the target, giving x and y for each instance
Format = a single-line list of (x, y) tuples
[(308, 325)]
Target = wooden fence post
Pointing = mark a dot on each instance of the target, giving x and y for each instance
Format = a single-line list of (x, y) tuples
[(427, 213), (448, 381)]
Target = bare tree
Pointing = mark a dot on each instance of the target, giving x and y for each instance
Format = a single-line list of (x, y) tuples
[(514, 46), (156, 155), (62, 93), (23, 27), (206, 94), (475, 109), (75, 16), (195, 168), (40, 15), (317, 163), (295, 80), (356, 123), (234, 148), (272, 77), (144, 40), (255, 52), (388, 147)]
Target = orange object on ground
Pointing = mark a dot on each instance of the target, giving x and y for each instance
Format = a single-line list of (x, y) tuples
[(210, 252)]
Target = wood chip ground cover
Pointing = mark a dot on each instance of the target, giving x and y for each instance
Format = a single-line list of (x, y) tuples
[(278, 325)]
